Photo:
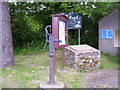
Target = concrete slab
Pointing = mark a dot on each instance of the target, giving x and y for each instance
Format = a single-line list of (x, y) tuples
[(57, 85)]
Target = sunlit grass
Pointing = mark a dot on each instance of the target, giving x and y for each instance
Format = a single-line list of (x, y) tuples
[(30, 70)]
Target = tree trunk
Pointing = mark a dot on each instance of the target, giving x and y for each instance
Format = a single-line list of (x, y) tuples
[(6, 46)]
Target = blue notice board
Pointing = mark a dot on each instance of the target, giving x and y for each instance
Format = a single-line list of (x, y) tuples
[(106, 34), (75, 20)]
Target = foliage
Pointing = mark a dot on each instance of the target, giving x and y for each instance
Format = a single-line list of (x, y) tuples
[(31, 48), (28, 20)]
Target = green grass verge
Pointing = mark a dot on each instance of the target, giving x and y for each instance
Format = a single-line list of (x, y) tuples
[(109, 62), (30, 70), (0, 78)]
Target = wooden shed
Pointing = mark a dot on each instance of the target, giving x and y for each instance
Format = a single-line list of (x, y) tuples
[(109, 33)]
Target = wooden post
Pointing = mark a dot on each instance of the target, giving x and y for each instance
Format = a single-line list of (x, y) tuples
[(63, 59)]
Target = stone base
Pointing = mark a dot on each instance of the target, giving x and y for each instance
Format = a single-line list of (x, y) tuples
[(82, 57), (57, 85)]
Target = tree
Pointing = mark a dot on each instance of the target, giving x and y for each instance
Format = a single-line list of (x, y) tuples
[(28, 21), (6, 46)]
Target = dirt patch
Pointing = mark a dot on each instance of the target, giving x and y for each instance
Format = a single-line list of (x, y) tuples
[(7, 82), (34, 82), (101, 79)]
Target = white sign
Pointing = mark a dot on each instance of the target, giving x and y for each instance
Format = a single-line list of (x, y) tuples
[(62, 32)]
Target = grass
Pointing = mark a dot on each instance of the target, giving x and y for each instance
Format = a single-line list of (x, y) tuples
[(109, 62), (30, 70), (0, 78), (29, 50)]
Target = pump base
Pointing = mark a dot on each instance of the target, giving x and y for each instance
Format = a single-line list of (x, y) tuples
[(57, 85)]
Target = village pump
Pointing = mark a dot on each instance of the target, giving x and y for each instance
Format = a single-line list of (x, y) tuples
[(57, 39)]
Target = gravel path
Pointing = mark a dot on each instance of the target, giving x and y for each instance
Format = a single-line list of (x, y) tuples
[(101, 79)]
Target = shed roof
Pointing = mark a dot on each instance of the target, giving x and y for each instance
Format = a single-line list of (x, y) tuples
[(114, 11)]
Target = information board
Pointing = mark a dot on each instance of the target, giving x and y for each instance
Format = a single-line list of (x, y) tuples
[(75, 20)]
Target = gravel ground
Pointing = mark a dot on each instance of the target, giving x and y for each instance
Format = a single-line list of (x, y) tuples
[(101, 79)]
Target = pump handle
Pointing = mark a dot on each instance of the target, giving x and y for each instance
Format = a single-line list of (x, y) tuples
[(47, 35)]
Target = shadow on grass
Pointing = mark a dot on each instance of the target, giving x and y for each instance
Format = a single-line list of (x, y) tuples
[(113, 59), (109, 62)]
